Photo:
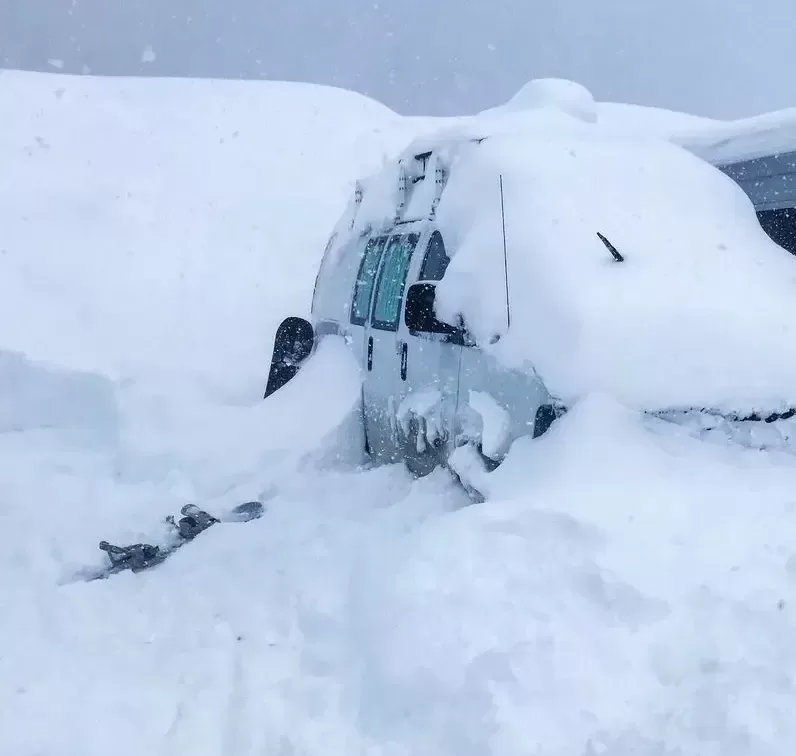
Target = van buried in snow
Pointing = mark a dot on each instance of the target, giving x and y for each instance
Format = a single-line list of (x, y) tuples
[(516, 261)]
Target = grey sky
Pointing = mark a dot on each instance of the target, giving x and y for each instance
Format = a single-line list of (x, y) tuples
[(714, 57)]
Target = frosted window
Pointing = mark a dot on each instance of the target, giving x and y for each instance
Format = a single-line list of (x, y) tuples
[(392, 280), (363, 289)]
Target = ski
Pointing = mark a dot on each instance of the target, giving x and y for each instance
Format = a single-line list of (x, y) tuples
[(138, 557)]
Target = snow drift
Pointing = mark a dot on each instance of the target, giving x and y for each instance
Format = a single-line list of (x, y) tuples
[(167, 225), (625, 589)]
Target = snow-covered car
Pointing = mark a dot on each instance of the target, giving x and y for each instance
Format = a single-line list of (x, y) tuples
[(512, 263)]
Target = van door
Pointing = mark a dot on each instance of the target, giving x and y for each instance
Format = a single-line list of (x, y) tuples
[(433, 361), (386, 350)]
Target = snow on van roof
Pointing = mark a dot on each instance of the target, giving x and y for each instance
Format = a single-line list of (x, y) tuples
[(702, 312), (719, 142), (725, 142)]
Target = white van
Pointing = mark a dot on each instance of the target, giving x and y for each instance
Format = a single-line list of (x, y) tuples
[(501, 270)]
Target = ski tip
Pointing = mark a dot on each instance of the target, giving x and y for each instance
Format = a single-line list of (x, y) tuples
[(249, 510)]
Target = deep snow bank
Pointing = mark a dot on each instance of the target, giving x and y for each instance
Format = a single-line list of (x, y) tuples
[(166, 224), (43, 396), (625, 589)]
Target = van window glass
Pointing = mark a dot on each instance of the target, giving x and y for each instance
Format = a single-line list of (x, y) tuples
[(780, 225), (392, 280), (436, 262), (363, 289)]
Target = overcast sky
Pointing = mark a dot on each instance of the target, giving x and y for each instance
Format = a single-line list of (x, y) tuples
[(713, 57)]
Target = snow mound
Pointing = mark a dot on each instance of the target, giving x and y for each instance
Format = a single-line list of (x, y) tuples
[(567, 96), (624, 590), (164, 225), (215, 446), (46, 397)]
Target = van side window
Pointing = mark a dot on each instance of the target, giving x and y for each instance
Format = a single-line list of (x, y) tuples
[(392, 281), (363, 289), (436, 261), (780, 225)]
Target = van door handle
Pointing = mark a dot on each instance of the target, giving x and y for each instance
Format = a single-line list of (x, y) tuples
[(370, 352), (404, 359)]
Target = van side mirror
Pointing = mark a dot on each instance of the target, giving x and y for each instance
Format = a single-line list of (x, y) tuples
[(420, 316)]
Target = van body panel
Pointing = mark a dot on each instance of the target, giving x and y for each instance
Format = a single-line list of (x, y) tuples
[(519, 393), (426, 419)]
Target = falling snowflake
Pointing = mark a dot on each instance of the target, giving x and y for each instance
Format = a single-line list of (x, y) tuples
[(148, 56)]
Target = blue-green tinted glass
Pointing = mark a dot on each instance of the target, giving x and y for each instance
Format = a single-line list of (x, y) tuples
[(387, 307), (367, 274)]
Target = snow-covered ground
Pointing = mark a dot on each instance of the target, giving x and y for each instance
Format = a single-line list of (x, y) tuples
[(627, 587)]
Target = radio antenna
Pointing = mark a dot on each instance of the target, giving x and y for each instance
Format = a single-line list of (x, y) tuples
[(505, 253)]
